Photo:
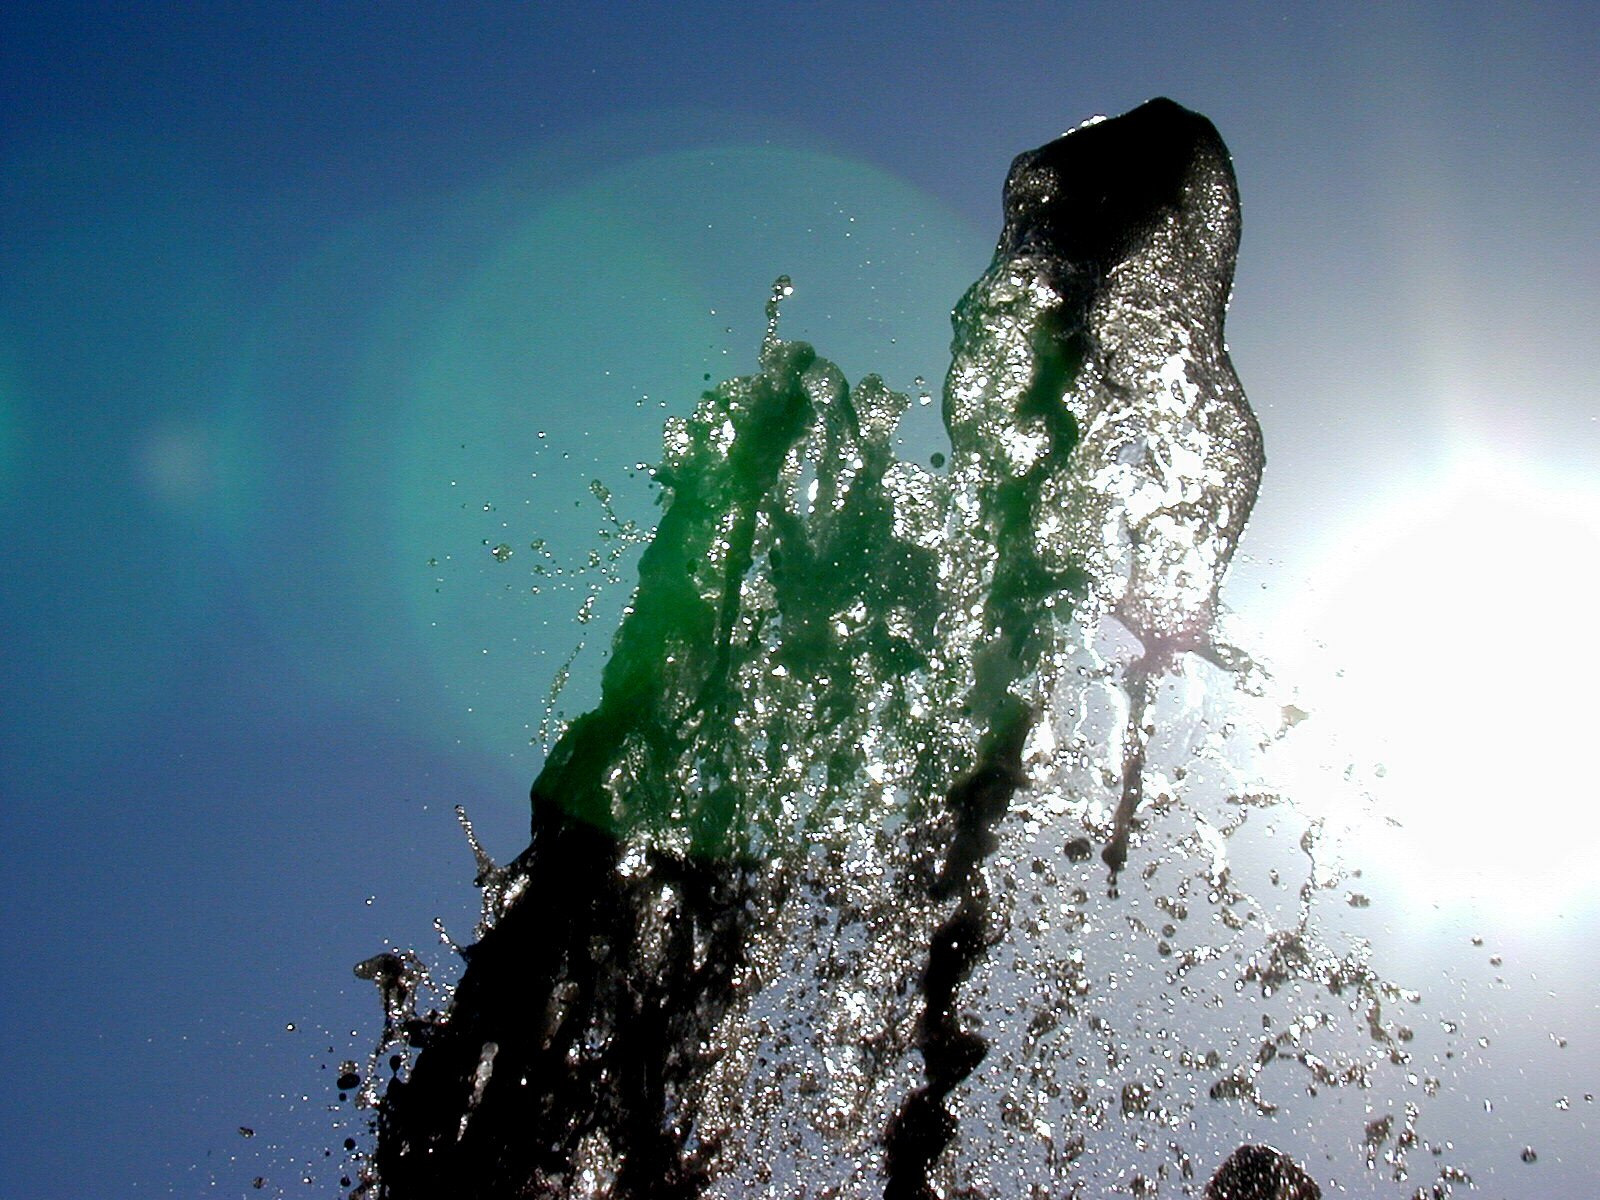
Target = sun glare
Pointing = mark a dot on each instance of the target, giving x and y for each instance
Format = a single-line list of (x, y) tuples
[(1455, 635)]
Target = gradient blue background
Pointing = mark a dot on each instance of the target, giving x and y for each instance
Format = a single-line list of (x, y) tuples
[(288, 294)]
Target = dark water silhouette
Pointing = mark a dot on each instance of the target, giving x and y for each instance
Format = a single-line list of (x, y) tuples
[(811, 905)]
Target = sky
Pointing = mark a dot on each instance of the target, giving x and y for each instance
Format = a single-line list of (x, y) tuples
[(305, 309)]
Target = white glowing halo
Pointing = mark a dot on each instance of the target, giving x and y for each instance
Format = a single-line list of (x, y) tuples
[(1447, 643)]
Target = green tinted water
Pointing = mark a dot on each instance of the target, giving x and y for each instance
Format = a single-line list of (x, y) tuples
[(811, 906)]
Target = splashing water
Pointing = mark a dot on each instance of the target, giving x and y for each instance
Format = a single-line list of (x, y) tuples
[(812, 905)]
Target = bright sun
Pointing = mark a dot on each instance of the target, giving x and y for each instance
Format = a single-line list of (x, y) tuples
[(1461, 622)]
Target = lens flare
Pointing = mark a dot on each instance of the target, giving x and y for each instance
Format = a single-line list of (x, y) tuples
[(442, 387), (1457, 623)]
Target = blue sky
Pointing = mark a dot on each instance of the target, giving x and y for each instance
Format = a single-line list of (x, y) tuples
[(302, 307)]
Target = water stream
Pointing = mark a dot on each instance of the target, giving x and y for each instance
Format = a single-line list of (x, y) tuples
[(919, 844)]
